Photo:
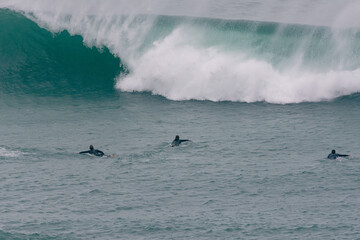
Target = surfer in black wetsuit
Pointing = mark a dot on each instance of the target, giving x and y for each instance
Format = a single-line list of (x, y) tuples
[(177, 141), (93, 151), (333, 155)]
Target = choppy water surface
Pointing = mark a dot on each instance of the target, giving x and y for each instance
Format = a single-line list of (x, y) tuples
[(252, 171)]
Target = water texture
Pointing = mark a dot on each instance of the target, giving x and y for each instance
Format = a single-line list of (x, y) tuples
[(263, 90)]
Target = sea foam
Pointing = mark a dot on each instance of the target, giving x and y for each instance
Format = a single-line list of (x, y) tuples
[(9, 153)]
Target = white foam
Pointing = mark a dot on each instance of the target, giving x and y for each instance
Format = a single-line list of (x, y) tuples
[(180, 71), (9, 153)]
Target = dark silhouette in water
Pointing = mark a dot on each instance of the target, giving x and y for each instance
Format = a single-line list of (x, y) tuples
[(93, 151), (333, 155), (177, 141)]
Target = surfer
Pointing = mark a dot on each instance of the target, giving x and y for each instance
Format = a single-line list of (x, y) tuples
[(333, 155), (177, 141), (93, 151)]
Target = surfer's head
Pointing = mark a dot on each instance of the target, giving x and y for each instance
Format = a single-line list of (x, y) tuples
[(177, 137), (333, 151), (91, 147)]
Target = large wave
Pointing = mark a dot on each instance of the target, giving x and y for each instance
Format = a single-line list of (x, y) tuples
[(204, 58)]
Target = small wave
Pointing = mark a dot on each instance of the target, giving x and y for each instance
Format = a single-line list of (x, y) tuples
[(19, 236), (9, 153)]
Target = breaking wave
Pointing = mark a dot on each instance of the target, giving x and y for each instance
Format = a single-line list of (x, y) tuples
[(178, 57)]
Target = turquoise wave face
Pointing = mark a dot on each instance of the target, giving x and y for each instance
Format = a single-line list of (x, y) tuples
[(35, 61)]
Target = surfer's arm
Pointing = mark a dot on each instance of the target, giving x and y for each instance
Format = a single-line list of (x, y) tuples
[(184, 140), (343, 155), (84, 152)]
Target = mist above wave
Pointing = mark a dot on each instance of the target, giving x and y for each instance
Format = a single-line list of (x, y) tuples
[(321, 12)]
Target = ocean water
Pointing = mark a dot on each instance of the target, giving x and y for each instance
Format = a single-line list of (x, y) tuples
[(265, 90)]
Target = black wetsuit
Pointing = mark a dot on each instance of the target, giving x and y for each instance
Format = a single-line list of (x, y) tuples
[(333, 156), (94, 152), (177, 142)]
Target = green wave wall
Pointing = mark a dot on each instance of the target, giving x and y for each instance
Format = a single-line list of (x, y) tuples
[(35, 61)]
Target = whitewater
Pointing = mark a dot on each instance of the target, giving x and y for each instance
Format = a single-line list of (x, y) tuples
[(263, 89)]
